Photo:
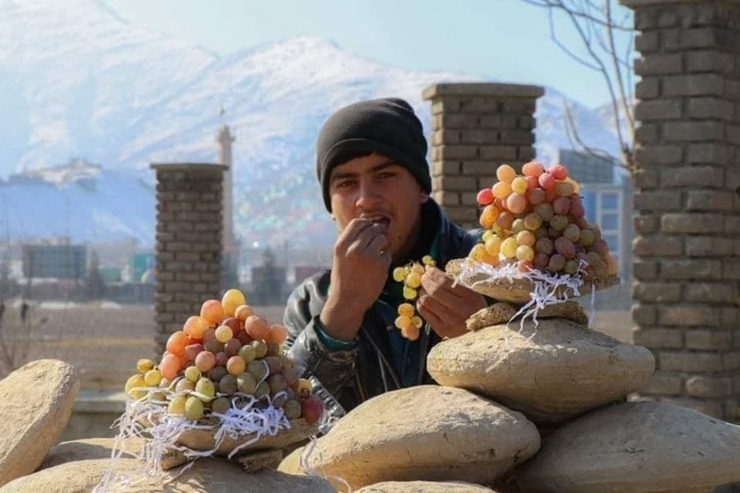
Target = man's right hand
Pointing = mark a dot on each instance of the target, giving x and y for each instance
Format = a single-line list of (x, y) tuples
[(359, 272)]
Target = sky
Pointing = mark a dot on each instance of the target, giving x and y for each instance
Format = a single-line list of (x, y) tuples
[(501, 40)]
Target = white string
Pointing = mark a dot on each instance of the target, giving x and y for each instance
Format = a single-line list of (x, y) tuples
[(310, 471)]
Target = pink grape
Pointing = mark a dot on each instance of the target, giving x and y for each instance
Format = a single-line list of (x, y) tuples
[(601, 247), (232, 347), (485, 197), (505, 220), (257, 327), (532, 221), (208, 335), (545, 211), (540, 261), (544, 245), (533, 168), (505, 173), (212, 312), (559, 171), (205, 361), (221, 358), (561, 205), (564, 189), (195, 326), (177, 342), (536, 196), (516, 203), (565, 247), (169, 366), (532, 182), (278, 334), (192, 351), (525, 238), (547, 181), (577, 210)]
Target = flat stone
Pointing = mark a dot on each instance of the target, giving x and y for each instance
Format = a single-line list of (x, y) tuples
[(89, 448), (551, 372), (636, 448), (425, 487), (35, 404)]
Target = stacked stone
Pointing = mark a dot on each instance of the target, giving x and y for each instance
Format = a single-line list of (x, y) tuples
[(687, 265), (476, 127), (189, 242)]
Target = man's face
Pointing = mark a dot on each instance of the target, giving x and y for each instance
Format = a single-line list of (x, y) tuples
[(375, 187)]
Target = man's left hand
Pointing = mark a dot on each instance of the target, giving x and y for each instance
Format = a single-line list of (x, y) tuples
[(444, 307)]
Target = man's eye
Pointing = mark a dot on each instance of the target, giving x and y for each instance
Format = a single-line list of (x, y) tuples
[(345, 184), (386, 175)]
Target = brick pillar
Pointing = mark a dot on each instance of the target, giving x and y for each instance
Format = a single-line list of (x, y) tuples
[(476, 127), (687, 248), (189, 242)]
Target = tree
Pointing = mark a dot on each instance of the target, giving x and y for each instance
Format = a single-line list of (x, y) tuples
[(94, 285), (606, 34)]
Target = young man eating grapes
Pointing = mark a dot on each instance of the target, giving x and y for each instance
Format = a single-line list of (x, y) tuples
[(372, 168)]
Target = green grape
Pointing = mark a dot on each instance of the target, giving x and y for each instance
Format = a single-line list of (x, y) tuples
[(246, 383), (508, 247), (559, 222), (177, 405), (193, 408), (205, 386), (262, 390), (292, 409), (220, 405), (248, 353), (258, 369), (227, 384), (192, 373), (518, 226), (260, 348)]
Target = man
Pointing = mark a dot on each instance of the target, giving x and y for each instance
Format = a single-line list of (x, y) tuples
[(372, 168)]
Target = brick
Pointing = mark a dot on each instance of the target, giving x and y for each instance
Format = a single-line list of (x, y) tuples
[(525, 154), (657, 246), (659, 155), (455, 121), (645, 224), (469, 199), (647, 87), (688, 316), (485, 181), (693, 85), (709, 246), (480, 105), (710, 61), (699, 362), (702, 386), (446, 168), (657, 200), (447, 198), (693, 131), (520, 106), (645, 179), (526, 122), (646, 133), (710, 108), (691, 269), (709, 153), (516, 137), (731, 361), (733, 134), (730, 317), (462, 215), (732, 179), (663, 384), (491, 121), (656, 292), (454, 183), (709, 292), (732, 225), (709, 200), (731, 269), (442, 137), (645, 19), (658, 338), (484, 137), (647, 42), (479, 168), (445, 105), (501, 152), (709, 340), (452, 152), (659, 64), (644, 314), (694, 223), (645, 270)]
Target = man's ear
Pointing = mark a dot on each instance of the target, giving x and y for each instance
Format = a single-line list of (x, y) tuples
[(424, 197)]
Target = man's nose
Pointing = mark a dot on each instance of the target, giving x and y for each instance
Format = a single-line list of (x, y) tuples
[(368, 194)]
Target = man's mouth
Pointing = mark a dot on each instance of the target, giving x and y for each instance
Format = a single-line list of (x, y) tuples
[(378, 219)]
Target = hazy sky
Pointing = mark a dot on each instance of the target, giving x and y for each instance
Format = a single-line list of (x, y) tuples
[(504, 40)]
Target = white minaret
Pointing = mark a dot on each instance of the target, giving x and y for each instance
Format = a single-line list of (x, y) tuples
[(224, 140)]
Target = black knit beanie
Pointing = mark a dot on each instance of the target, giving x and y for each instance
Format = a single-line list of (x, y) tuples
[(386, 126)]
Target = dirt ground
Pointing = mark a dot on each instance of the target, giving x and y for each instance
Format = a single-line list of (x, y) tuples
[(104, 340)]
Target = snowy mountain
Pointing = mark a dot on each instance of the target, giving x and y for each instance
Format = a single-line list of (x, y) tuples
[(78, 84)]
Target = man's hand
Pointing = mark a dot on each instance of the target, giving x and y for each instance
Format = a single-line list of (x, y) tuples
[(358, 275), (446, 308)]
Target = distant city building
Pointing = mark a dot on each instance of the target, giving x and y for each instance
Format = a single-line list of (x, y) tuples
[(586, 168), (65, 261), (230, 260), (140, 263)]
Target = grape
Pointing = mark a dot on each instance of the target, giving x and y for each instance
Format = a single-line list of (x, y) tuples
[(418, 268), (292, 409), (558, 222), (290, 374), (311, 409), (177, 405), (403, 322), (564, 189), (209, 335), (212, 312), (541, 232), (242, 312), (525, 238), (157, 398), (278, 400), (195, 326), (559, 171), (191, 351), (274, 364), (246, 383), (399, 274), (205, 361), (233, 299), (488, 216), (516, 203), (233, 324), (257, 327), (417, 322), (262, 390), (532, 183), (501, 190), (601, 247), (493, 245), (547, 181), (500, 204), (232, 347), (571, 267), (544, 245), (524, 252), (213, 346), (258, 369), (177, 342), (533, 168), (601, 270), (485, 197), (152, 378), (278, 334), (561, 205), (304, 387), (411, 333), (221, 359), (235, 365), (479, 254), (193, 408), (505, 173), (413, 280), (556, 263), (576, 185), (277, 383), (244, 338), (524, 265), (536, 196), (565, 247), (227, 384), (183, 386), (132, 383), (220, 405), (519, 185), (518, 226), (224, 333), (532, 221), (611, 264), (217, 373), (406, 309), (572, 232), (487, 235), (505, 220), (192, 373), (540, 261), (545, 211), (144, 365), (206, 387), (577, 210), (508, 247), (260, 348), (169, 366), (586, 238), (409, 293)]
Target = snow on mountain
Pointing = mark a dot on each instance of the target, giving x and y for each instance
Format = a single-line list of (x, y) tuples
[(77, 82)]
